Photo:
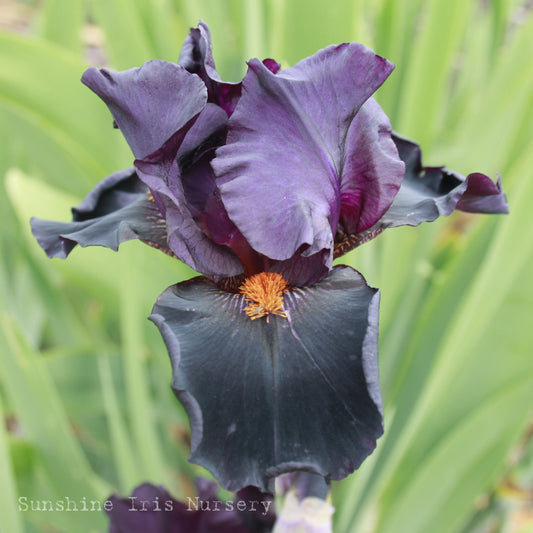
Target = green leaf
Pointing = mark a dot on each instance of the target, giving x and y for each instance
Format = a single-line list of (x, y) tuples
[(467, 458), (137, 385), (432, 50), (123, 453), (469, 355), (10, 518), (505, 97), (163, 28), (61, 23), (39, 84), (40, 411), (308, 26), (126, 38)]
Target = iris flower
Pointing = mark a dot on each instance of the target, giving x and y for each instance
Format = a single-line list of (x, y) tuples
[(152, 509), (259, 186)]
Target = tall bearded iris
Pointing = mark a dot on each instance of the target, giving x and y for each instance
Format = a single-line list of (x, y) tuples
[(258, 186)]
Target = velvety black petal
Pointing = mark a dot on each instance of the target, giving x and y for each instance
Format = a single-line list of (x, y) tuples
[(118, 209), (302, 270), (429, 192), (266, 397)]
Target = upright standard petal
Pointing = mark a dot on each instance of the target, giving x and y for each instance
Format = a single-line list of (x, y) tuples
[(429, 192), (182, 174), (279, 173), (372, 170), (277, 393), (183, 184), (150, 104), (189, 242), (118, 209), (196, 56)]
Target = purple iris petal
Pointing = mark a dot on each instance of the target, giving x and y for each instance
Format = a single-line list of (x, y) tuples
[(183, 183), (281, 170), (152, 509), (266, 397), (372, 171), (429, 192), (177, 176), (482, 195), (207, 133), (272, 65), (186, 238), (196, 56), (301, 270), (118, 209), (260, 517), (151, 103), (161, 512)]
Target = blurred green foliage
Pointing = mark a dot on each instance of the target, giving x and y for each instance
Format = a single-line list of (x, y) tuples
[(85, 379)]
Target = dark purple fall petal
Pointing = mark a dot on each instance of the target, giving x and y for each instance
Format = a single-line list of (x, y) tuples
[(118, 209), (429, 192), (127, 516), (151, 103), (308, 394), (152, 509), (482, 195), (281, 169), (301, 270), (258, 518)]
